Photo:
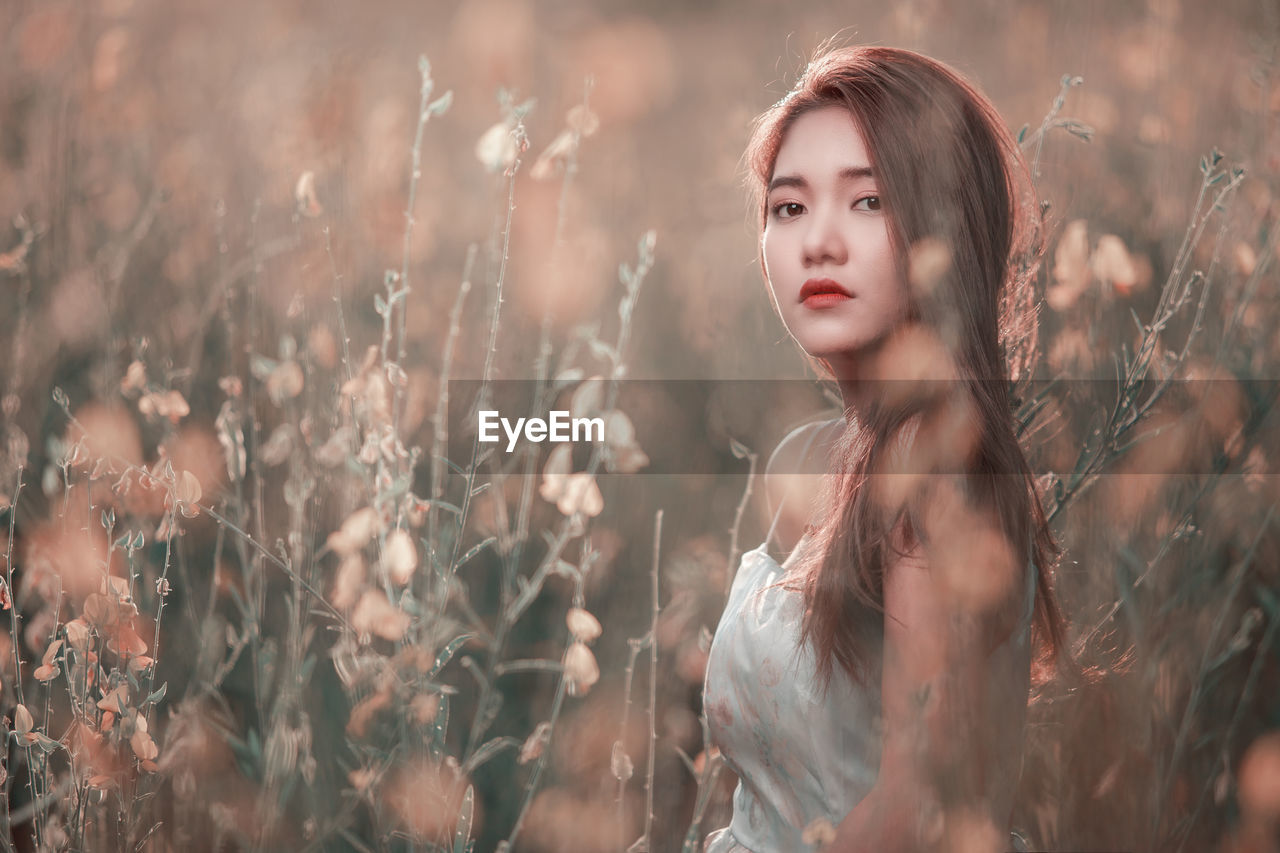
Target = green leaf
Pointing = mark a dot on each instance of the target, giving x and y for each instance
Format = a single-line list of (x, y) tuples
[(738, 449), (254, 744), (1137, 322), (488, 751), (447, 653), (462, 834), (445, 505), (476, 549), (441, 104), (155, 697), (441, 726), (46, 744), (1022, 133), (446, 460)]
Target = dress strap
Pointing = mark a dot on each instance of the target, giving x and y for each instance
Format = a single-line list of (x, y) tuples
[(773, 525)]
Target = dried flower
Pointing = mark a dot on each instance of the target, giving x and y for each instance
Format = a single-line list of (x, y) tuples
[(535, 743), (582, 625), (399, 556), (143, 746), (620, 763), (1070, 266), (555, 156), (284, 382), (622, 454), (304, 193), (573, 493), (22, 722), (115, 702), (580, 669), (349, 581), (1111, 263), (496, 148), (48, 669), (365, 710), (164, 404), (1246, 259), (374, 614), (77, 632), (581, 119), (138, 664), (188, 493), (424, 707), (135, 379), (355, 532)]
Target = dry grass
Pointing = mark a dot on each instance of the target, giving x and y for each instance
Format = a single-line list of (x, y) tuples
[(256, 599)]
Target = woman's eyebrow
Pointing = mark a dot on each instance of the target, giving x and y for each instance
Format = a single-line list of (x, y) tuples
[(848, 173)]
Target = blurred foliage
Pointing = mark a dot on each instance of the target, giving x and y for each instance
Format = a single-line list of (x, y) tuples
[(199, 207)]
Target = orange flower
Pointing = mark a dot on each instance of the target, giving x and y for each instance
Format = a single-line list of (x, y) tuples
[(143, 746), (400, 557), (580, 669), (115, 701), (582, 625), (49, 669)]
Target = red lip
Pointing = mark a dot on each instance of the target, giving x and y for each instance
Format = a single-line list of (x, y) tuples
[(821, 285)]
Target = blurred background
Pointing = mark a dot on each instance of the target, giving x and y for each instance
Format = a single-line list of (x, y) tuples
[(197, 187)]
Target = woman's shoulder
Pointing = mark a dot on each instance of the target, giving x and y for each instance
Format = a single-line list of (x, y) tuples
[(798, 451), (793, 478)]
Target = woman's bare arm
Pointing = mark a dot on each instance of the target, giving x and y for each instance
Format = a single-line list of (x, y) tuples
[(945, 765)]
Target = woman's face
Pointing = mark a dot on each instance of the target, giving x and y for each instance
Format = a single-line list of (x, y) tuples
[(827, 253)]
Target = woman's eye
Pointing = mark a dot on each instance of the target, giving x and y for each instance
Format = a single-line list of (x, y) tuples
[(873, 202), (787, 209)]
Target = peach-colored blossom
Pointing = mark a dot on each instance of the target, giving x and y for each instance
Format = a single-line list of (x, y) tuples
[(582, 625), (355, 532), (22, 721), (115, 701), (374, 614), (580, 669), (400, 556)]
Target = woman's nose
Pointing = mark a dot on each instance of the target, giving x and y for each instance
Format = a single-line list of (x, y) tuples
[(823, 242)]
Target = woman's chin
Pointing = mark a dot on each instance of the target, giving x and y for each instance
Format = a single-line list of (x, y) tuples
[(830, 350)]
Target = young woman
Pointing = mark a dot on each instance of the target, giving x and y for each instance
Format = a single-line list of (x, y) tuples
[(870, 691)]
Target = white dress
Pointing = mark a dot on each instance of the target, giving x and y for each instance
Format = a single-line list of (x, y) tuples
[(798, 757)]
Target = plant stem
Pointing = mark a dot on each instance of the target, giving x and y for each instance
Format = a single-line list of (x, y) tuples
[(653, 681)]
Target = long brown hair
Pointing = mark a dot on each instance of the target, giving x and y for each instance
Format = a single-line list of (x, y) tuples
[(965, 228)]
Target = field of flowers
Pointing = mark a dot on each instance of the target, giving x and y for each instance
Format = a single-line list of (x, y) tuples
[(260, 589)]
